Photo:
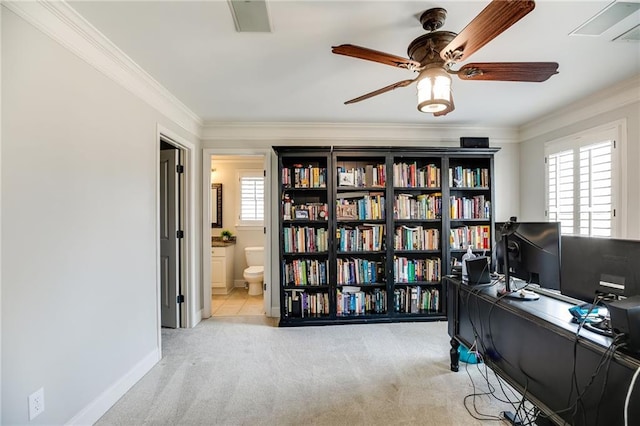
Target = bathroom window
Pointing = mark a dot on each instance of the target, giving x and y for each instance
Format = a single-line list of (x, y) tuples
[(251, 206)]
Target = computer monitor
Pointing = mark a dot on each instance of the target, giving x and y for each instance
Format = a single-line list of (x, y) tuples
[(593, 265), (532, 253)]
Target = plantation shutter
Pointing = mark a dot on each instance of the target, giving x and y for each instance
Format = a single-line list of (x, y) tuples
[(251, 199), (581, 183), (560, 178)]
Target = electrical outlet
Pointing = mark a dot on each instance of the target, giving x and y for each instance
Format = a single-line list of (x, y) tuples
[(36, 403)]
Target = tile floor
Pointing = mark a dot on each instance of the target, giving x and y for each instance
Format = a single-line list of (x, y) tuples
[(236, 303)]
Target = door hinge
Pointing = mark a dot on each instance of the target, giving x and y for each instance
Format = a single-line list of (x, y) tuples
[(264, 230), (179, 234), (179, 168), (180, 298), (614, 212), (264, 286), (264, 173)]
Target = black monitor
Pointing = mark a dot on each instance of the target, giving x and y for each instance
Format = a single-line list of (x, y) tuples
[(592, 265), (533, 252)]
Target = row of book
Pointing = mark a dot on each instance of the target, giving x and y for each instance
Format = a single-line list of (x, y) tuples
[(307, 211), (353, 301), (370, 207), (416, 238), (299, 304), (412, 270), (305, 272), (372, 175), (476, 207), (414, 176), (304, 177), (462, 177), (360, 271), (303, 239), (477, 237), (414, 300), (366, 237), (423, 206)]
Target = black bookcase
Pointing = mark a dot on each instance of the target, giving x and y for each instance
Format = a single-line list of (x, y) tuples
[(366, 234)]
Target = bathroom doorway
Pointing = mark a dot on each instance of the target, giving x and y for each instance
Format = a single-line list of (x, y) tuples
[(238, 188)]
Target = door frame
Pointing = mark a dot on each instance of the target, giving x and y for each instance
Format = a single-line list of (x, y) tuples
[(206, 224), (190, 313)]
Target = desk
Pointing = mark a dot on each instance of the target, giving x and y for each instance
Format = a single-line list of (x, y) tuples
[(530, 344)]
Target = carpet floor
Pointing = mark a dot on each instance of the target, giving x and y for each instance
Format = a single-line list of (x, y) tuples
[(246, 371)]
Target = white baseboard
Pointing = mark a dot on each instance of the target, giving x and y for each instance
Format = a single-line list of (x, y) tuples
[(96, 409)]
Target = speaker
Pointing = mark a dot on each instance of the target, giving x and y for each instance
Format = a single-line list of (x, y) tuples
[(625, 319), (474, 142)]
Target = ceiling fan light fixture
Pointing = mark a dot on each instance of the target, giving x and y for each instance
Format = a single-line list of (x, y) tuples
[(434, 90)]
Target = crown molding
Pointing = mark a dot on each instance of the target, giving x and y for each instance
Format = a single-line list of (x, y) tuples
[(66, 26), (337, 133), (617, 96)]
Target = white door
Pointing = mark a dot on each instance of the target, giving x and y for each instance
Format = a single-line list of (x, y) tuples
[(169, 242)]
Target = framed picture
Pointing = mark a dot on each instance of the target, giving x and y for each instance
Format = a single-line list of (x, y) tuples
[(346, 179), (347, 211), (302, 214)]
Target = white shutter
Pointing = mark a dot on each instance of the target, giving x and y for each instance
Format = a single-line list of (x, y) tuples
[(596, 204), (582, 182), (561, 190), (251, 199)]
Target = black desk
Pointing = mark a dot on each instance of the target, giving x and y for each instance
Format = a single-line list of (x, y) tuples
[(530, 344)]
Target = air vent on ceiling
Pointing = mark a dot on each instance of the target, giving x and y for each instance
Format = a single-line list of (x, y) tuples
[(606, 18), (250, 15)]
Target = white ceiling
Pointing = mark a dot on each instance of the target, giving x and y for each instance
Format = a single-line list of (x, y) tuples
[(290, 74)]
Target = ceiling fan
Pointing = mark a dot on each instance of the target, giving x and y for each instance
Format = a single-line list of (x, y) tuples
[(432, 55)]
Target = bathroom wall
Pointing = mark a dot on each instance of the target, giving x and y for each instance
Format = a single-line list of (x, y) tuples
[(226, 173)]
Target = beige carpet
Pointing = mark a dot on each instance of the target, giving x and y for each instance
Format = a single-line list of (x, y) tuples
[(244, 371)]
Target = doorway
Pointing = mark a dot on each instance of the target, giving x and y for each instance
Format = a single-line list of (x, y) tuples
[(228, 291), (171, 232)]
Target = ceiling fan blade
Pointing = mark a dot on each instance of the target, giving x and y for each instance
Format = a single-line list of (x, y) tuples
[(508, 71), (490, 23), (375, 56), (388, 88)]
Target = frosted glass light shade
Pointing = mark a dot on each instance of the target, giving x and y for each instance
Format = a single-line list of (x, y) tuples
[(434, 90)]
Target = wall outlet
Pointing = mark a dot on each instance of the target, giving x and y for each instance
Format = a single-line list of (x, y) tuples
[(36, 403)]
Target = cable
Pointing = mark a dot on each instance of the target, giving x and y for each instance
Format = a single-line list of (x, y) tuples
[(626, 401)]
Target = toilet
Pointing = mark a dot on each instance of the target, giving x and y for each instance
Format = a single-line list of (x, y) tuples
[(254, 274)]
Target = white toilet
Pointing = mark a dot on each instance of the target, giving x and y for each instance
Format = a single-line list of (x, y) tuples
[(254, 274)]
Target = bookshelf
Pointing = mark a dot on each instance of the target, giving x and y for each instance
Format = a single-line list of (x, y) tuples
[(366, 234)]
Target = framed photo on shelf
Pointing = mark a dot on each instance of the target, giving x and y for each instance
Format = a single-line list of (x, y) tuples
[(347, 211), (302, 214), (346, 179)]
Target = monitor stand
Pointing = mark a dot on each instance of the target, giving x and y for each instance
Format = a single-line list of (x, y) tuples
[(518, 291)]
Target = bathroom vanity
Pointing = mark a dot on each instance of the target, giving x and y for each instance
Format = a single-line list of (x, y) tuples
[(222, 253)]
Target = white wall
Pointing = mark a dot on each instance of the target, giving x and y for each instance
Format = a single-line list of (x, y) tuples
[(619, 102), (79, 224)]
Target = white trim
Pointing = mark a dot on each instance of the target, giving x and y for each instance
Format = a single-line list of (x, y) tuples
[(62, 23), (337, 133), (269, 272), (92, 412), (205, 266), (191, 317), (618, 96)]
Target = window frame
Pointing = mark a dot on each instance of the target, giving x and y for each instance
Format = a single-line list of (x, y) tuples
[(249, 173), (614, 131)]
